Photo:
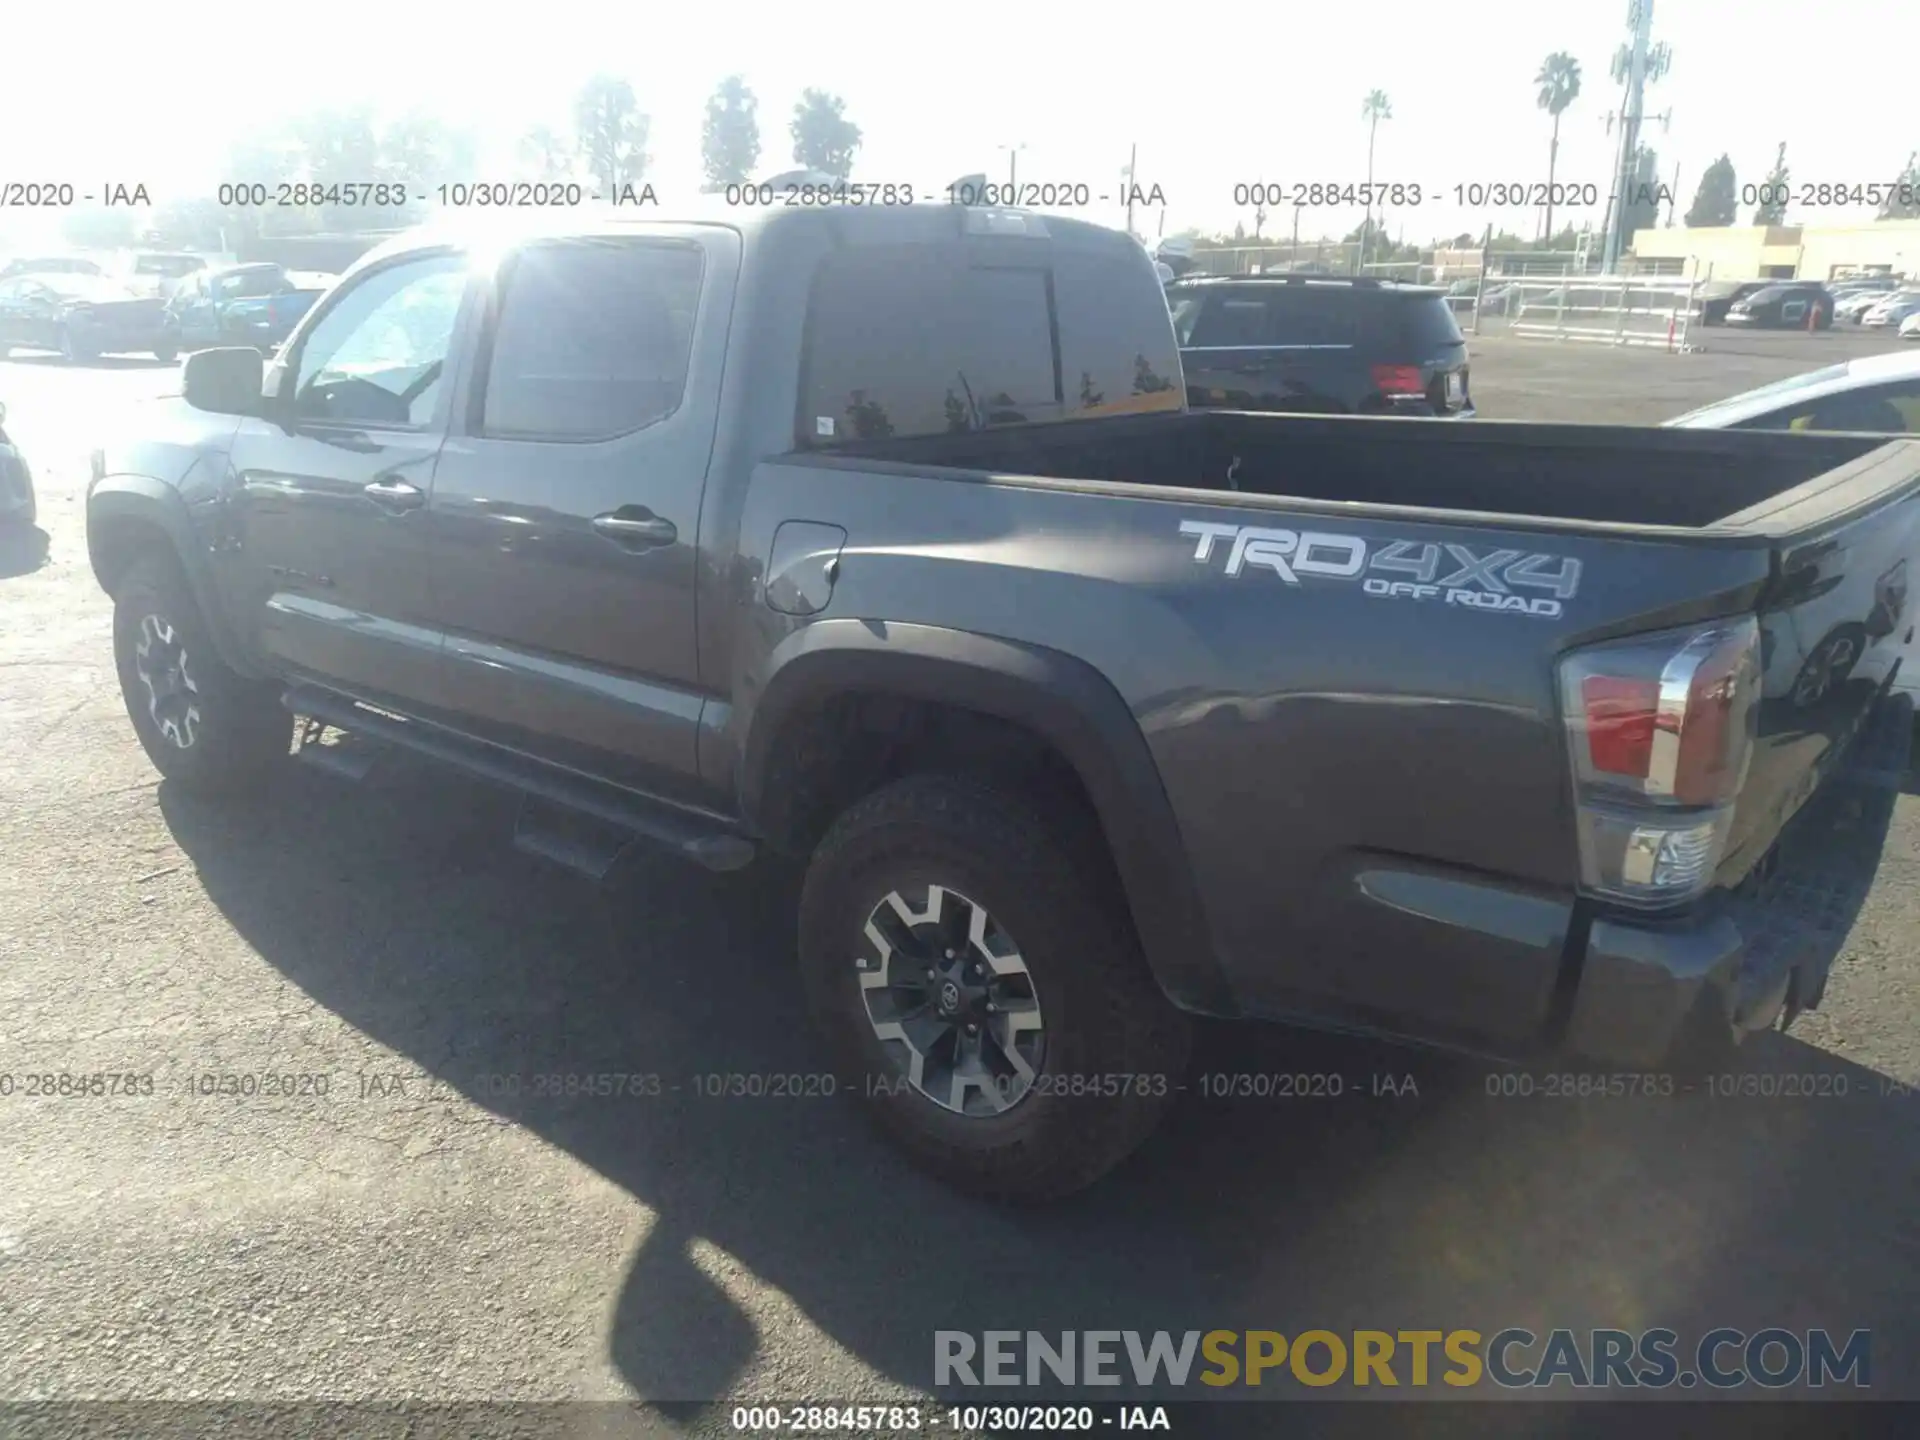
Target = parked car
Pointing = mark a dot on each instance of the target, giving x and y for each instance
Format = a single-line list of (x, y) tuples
[(1854, 283), (1910, 328), (1856, 303), (1784, 305), (256, 304), (80, 316), (1890, 312), (883, 538), (160, 272), (1878, 394), (1715, 297), (50, 265), (1320, 345), (17, 504)]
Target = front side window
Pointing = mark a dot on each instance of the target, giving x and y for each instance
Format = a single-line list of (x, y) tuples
[(592, 339), (925, 340), (378, 355)]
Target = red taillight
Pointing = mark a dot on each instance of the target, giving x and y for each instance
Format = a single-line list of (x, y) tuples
[(1619, 716), (1661, 729), (1399, 380)]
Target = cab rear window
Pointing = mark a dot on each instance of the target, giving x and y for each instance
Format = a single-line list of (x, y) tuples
[(936, 339)]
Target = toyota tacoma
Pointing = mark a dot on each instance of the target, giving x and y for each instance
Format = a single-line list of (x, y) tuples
[(883, 538)]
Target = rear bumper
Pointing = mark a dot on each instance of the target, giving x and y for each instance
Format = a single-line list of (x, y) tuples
[(1648, 988), (1464, 961)]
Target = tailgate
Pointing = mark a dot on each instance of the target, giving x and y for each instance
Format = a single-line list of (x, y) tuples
[(1836, 630)]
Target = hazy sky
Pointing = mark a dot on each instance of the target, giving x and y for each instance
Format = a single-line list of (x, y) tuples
[(1213, 94)]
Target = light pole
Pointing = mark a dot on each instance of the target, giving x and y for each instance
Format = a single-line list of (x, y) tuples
[(1013, 169)]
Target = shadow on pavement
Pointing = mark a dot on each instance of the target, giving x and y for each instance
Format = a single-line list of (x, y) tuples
[(23, 550), (1784, 1199)]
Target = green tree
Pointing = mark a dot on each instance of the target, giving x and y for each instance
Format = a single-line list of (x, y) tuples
[(823, 138), (1772, 209), (1559, 82), (1904, 202), (544, 154), (421, 152), (189, 225), (1713, 202), (333, 147), (1640, 205), (612, 132), (1375, 108), (730, 135)]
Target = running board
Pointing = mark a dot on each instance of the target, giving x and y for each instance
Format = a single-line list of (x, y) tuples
[(694, 837)]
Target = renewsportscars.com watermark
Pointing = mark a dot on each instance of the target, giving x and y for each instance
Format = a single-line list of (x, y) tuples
[(1722, 1359)]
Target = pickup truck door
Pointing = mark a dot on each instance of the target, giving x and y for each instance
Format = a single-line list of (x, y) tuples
[(331, 483), (566, 502)]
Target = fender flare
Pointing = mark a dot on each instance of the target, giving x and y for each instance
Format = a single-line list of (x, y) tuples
[(1063, 700), (141, 500)]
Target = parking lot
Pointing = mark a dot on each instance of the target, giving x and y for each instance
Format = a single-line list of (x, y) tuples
[(420, 1224)]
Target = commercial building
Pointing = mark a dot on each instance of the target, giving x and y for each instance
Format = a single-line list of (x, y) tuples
[(1785, 252)]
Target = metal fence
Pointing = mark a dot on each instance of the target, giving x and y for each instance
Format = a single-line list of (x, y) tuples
[(1643, 310)]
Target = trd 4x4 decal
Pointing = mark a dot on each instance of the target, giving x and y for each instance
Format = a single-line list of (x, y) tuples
[(1398, 569)]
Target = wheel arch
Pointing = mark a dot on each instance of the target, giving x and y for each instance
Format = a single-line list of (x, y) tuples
[(130, 516), (1064, 705)]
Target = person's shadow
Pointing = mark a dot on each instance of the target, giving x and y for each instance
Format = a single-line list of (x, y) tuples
[(401, 907)]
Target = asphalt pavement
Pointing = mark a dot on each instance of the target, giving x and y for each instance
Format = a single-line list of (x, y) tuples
[(341, 1159)]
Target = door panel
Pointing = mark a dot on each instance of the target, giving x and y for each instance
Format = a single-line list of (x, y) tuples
[(332, 484), (566, 504)]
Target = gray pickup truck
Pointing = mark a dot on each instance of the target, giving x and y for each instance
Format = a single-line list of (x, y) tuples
[(882, 538)]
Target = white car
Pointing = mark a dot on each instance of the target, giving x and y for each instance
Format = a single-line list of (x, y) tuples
[(1856, 303), (1910, 328), (1892, 310), (1879, 394)]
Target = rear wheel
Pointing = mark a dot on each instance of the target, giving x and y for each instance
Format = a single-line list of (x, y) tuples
[(166, 352), (980, 989), (201, 724)]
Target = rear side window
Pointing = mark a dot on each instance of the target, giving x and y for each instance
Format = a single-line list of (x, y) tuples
[(592, 338), (1427, 323), (1279, 315), (1117, 351), (926, 339)]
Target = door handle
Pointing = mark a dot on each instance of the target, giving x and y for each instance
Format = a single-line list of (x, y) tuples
[(395, 495), (640, 529)]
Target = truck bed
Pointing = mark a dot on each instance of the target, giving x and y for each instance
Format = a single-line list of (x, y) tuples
[(1601, 473)]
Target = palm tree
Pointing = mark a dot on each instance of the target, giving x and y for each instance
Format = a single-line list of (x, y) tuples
[(1559, 82), (1375, 108)]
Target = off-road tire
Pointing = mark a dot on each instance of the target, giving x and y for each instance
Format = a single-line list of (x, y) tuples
[(1040, 878), (241, 730)]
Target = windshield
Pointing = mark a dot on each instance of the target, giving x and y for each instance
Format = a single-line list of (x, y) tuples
[(172, 265), (250, 284)]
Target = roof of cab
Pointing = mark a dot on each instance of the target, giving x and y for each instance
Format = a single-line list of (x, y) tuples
[(854, 225)]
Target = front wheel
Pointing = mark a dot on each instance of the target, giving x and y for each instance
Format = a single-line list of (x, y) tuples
[(167, 351), (981, 990), (201, 724)]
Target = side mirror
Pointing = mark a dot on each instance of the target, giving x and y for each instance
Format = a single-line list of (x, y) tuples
[(225, 381)]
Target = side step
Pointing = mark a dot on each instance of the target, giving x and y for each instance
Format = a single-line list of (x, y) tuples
[(704, 840)]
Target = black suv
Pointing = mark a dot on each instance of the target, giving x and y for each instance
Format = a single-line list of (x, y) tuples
[(1786, 305), (1321, 345)]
